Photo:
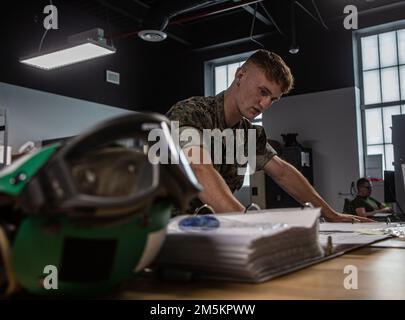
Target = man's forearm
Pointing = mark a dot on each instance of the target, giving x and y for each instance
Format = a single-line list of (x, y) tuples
[(216, 193), (371, 213), (362, 212)]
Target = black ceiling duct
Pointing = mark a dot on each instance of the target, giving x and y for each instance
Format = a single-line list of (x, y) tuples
[(159, 15)]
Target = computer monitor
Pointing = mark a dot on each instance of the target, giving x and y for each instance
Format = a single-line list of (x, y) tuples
[(389, 186)]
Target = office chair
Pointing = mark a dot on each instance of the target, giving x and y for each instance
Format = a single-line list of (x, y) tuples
[(348, 206)]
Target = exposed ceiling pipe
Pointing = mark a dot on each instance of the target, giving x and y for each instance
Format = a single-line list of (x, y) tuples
[(316, 19), (217, 9), (159, 15)]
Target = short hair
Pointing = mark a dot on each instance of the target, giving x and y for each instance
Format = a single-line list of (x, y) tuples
[(361, 182), (274, 68)]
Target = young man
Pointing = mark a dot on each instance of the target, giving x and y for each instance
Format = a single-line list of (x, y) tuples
[(259, 82), (364, 204)]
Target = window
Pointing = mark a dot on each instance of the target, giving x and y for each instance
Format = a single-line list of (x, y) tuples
[(382, 84), (219, 75), (223, 77)]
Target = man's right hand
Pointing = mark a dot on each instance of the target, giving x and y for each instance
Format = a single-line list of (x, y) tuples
[(386, 210)]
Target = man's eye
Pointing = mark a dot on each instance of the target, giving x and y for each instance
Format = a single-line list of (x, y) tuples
[(264, 93)]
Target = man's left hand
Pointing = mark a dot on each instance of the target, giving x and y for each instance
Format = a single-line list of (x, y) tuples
[(343, 217)]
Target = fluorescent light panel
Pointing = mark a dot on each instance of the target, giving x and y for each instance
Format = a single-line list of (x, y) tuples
[(68, 56)]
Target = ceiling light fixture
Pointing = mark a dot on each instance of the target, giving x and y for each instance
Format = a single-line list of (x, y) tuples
[(82, 46), (152, 35), (294, 48), (154, 27)]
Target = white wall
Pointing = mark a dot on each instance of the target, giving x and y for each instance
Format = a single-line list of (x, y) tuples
[(326, 122), (36, 115)]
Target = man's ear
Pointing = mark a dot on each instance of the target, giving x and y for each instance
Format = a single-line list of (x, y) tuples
[(239, 74)]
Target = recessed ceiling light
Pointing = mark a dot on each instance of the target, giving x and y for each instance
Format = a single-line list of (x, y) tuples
[(152, 35)]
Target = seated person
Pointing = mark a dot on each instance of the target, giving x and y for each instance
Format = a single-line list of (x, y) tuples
[(364, 205)]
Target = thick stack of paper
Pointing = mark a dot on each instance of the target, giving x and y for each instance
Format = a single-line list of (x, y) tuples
[(251, 247)]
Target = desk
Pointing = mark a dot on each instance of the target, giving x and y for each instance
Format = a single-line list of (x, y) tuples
[(381, 275)]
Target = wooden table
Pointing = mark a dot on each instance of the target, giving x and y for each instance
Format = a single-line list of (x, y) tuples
[(381, 275)]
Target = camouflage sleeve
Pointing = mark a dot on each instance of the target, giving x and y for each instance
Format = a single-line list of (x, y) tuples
[(191, 120), (189, 113), (264, 151)]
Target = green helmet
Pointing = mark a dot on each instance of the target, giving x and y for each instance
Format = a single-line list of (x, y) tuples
[(90, 214)]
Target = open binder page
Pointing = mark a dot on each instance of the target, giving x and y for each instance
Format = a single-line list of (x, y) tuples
[(347, 236)]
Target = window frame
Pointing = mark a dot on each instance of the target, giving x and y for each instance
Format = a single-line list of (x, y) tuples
[(358, 35)]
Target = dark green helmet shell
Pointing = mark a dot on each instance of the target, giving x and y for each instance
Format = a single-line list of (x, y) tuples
[(88, 260)]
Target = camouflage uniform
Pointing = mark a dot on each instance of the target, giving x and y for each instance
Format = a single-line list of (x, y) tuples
[(208, 113)]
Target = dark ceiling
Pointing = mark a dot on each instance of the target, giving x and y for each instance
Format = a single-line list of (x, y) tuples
[(216, 22), (155, 75)]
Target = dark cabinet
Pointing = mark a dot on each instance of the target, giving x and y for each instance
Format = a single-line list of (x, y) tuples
[(301, 159)]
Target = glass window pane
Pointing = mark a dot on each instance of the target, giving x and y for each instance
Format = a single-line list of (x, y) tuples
[(374, 131), (388, 49), (376, 150), (231, 72), (390, 87), (401, 46), (389, 157), (388, 112), (369, 50), (372, 92), (220, 79), (402, 79)]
